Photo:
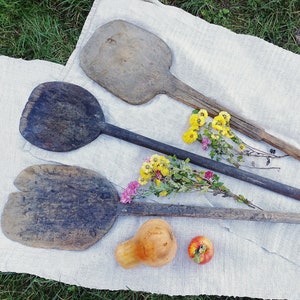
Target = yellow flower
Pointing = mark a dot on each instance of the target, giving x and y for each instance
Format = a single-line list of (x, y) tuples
[(196, 120), (157, 182), (203, 113), (146, 170), (242, 147), (194, 128), (190, 136), (146, 167), (218, 123), (145, 175), (142, 181), (164, 163), (199, 179), (227, 132), (155, 160), (159, 163), (225, 115), (215, 136), (164, 171), (163, 193)]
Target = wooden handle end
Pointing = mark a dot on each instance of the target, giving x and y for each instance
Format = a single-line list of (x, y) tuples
[(281, 145)]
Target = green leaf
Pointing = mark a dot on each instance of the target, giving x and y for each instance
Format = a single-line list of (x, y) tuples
[(240, 158), (212, 154)]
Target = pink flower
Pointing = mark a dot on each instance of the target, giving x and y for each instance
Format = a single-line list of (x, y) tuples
[(128, 194), (158, 175), (205, 142), (204, 147), (208, 175)]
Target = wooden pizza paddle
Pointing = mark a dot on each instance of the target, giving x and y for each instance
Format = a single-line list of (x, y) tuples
[(134, 65), (71, 208), (61, 116)]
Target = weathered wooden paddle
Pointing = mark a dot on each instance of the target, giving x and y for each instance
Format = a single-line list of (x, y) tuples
[(134, 65), (71, 208), (61, 116)]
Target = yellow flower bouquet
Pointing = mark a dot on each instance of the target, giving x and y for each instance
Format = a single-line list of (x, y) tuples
[(162, 176), (218, 137)]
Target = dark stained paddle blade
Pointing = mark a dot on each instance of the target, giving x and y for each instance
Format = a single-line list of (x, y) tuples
[(60, 207), (127, 60), (61, 116), (71, 208)]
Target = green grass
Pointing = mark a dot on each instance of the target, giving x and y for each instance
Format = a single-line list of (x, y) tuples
[(49, 30), (274, 21), (30, 287)]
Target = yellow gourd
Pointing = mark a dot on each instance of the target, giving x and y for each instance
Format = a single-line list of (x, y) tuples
[(154, 244)]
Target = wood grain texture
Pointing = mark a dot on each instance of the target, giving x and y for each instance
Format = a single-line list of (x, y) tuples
[(134, 65), (60, 116), (72, 208), (60, 207), (150, 209), (130, 62)]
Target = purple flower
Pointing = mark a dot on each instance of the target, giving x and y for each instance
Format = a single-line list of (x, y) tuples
[(204, 147), (128, 194), (205, 142), (208, 175)]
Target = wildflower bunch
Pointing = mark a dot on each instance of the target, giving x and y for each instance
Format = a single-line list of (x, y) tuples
[(162, 176), (218, 137)]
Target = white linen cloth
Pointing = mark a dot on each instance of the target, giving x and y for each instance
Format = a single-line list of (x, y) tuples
[(257, 79)]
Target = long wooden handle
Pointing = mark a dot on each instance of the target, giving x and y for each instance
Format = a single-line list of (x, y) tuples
[(280, 144), (150, 209), (186, 94), (198, 160)]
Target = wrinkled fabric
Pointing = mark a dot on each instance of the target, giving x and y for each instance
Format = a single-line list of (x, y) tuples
[(254, 78)]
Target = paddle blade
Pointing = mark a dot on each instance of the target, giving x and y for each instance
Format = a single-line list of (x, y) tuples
[(130, 62), (60, 117), (61, 207)]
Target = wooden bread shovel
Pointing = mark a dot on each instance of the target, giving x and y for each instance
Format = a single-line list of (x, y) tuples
[(71, 208), (61, 116), (134, 65)]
